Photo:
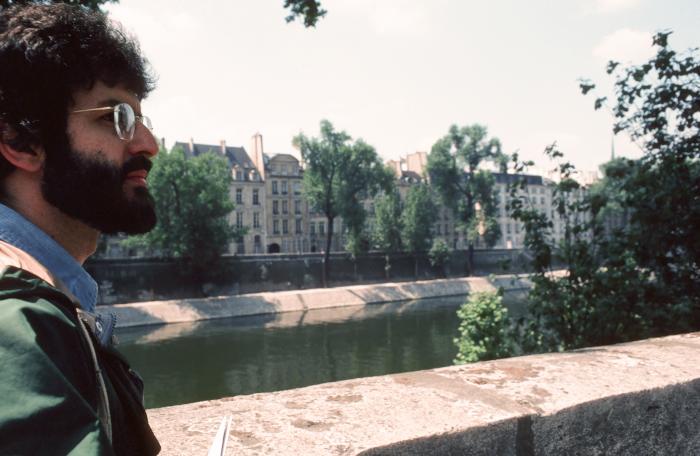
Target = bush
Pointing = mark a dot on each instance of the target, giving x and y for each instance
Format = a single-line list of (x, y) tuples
[(485, 331)]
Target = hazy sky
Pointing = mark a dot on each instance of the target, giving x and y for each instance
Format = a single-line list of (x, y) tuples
[(397, 73)]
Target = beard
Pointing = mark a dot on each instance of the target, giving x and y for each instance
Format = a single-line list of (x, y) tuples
[(89, 188)]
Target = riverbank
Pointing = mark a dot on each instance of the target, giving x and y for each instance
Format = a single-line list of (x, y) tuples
[(192, 310)]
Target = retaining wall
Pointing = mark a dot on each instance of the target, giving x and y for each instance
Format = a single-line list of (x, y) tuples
[(149, 279), (190, 310)]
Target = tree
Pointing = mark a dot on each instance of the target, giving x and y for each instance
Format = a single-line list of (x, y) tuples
[(439, 253), (454, 170), (638, 277), (339, 175), (417, 222), (192, 205), (386, 235), (309, 10), (92, 4)]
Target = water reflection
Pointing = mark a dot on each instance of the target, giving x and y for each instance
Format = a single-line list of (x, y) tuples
[(192, 362)]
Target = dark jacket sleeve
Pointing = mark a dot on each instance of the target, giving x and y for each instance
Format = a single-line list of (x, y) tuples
[(48, 391)]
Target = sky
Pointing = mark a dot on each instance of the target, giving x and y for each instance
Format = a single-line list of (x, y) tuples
[(398, 73)]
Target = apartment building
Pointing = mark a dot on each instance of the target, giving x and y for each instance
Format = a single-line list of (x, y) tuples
[(248, 192)]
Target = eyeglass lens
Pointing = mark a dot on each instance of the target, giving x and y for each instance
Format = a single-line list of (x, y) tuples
[(124, 121)]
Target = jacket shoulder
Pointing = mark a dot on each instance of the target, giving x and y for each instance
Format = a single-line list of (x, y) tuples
[(47, 382)]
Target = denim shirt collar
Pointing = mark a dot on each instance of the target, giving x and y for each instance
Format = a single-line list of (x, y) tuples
[(21, 233)]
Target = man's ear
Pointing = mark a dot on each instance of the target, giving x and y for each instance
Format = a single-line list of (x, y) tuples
[(31, 160)]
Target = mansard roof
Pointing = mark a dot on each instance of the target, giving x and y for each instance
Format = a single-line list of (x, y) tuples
[(236, 156)]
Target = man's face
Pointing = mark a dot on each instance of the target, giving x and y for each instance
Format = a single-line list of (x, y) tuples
[(97, 178)]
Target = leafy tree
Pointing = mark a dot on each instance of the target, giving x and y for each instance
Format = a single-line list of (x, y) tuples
[(484, 330), (417, 221), (92, 4), (639, 276), (454, 169), (439, 254), (386, 235), (339, 175), (309, 10), (193, 205)]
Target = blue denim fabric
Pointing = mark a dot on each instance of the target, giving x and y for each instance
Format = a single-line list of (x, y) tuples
[(23, 234)]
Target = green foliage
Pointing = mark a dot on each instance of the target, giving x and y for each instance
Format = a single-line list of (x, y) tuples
[(485, 330), (192, 204), (92, 4), (309, 10), (386, 235), (469, 194), (339, 175), (631, 243), (439, 253), (417, 219)]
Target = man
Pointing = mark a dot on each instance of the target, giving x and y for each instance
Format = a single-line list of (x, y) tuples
[(74, 156)]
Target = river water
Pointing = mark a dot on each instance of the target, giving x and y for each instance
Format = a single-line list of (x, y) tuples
[(184, 363)]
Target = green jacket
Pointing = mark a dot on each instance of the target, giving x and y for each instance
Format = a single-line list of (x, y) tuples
[(61, 390)]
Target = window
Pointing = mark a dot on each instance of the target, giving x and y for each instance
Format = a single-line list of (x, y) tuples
[(542, 200), (276, 226), (312, 228), (297, 227), (275, 207), (297, 188), (284, 187), (285, 226), (439, 229), (239, 175), (239, 196), (256, 196), (517, 228), (239, 219), (285, 207), (321, 227), (256, 219), (274, 187), (297, 206), (508, 228)]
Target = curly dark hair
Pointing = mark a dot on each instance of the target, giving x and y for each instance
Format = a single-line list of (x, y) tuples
[(47, 52)]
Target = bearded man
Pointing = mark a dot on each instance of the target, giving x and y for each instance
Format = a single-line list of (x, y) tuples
[(75, 152)]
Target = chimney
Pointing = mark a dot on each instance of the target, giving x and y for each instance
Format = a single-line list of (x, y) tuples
[(223, 147), (257, 154), (191, 147)]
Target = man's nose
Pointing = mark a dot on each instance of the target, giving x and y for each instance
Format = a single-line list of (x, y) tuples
[(143, 142)]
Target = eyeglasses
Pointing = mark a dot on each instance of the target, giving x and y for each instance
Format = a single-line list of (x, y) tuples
[(124, 119)]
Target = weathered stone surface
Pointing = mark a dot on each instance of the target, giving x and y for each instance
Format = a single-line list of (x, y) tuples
[(635, 398), (189, 310)]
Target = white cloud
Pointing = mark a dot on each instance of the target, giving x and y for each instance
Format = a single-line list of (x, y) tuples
[(389, 17), (614, 6), (625, 45), (404, 18)]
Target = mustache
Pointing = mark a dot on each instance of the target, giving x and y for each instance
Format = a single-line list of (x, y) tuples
[(136, 163)]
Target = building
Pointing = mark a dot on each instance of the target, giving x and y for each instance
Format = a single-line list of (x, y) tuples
[(248, 192)]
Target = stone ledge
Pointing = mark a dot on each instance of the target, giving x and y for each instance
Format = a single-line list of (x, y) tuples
[(635, 398), (190, 310)]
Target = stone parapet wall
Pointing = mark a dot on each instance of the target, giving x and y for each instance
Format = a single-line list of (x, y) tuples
[(150, 279), (640, 398)]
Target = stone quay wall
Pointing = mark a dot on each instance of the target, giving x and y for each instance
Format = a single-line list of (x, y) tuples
[(150, 279), (197, 309), (640, 398)]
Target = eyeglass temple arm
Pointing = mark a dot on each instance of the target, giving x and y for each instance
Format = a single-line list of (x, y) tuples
[(94, 109)]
